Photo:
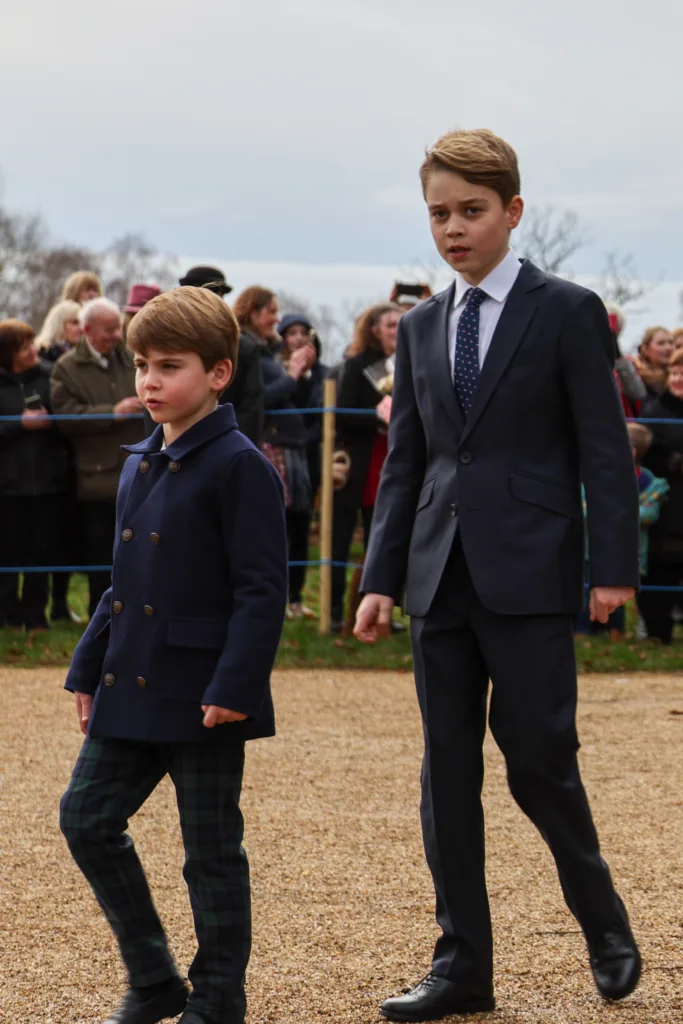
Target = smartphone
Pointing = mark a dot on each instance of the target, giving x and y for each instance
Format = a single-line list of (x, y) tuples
[(34, 402), (409, 289)]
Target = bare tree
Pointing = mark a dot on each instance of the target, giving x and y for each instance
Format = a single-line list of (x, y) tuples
[(550, 237), (620, 281), (132, 259)]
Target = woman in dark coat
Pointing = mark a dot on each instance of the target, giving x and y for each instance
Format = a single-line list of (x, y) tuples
[(665, 459), (366, 383), (33, 478), (284, 387)]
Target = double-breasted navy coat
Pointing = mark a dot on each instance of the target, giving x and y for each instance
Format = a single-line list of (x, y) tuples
[(199, 589)]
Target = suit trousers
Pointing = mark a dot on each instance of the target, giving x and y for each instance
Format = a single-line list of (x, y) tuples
[(457, 648), (111, 781)]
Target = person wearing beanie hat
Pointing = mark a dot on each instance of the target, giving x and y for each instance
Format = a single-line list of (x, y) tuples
[(245, 390)]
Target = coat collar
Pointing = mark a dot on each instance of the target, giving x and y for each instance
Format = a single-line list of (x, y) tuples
[(216, 423), (82, 353), (515, 318)]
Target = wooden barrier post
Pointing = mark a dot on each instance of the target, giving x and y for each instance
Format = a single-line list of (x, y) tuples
[(326, 508)]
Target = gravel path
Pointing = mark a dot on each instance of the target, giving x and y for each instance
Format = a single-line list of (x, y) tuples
[(342, 899)]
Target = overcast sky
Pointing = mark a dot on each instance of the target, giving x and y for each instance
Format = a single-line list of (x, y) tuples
[(271, 131)]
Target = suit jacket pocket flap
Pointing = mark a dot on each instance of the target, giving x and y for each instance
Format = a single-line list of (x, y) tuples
[(425, 494), (545, 493), (206, 634)]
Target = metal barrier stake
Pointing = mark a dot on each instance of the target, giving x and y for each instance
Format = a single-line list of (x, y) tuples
[(326, 507)]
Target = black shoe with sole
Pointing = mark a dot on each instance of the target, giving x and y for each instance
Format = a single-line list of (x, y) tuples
[(139, 1007), (436, 997), (615, 959)]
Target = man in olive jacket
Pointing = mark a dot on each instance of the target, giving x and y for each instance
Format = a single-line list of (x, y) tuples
[(97, 378)]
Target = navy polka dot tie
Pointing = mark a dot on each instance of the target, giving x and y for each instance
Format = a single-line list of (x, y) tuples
[(466, 362)]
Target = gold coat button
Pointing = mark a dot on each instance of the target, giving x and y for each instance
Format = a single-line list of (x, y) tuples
[(148, 610), (174, 466), (109, 679), (142, 683), (117, 607), (143, 467), (127, 534), (155, 538)]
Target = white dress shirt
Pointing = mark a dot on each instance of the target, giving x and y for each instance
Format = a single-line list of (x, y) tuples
[(97, 356), (497, 285)]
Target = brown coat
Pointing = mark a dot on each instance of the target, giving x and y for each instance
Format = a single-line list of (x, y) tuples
[(80, 385)]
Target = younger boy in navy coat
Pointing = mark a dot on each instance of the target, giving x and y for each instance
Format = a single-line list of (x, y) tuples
[(172, 674)]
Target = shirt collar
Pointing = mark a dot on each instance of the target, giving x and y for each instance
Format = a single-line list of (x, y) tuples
[(97, 356), (497, 285)]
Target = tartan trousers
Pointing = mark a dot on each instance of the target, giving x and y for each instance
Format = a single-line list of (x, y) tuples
[(110, 782)]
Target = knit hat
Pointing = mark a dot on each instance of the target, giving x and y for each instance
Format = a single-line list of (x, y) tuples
[(210, 278), (290, 320)]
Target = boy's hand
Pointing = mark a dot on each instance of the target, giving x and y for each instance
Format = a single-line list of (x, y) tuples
[(373, 618), (217, 716), (83, 709), (605, 600)]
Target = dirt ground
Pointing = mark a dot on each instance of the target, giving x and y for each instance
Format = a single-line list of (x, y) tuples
[(343, 907)]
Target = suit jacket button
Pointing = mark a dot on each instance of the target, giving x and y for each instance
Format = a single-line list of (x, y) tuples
[(143, 467), (174, 466), (142, 683), (127, 534), (109, 679), (454, 510), (155, 538), (117, 607), (148, 610), (466, 458)]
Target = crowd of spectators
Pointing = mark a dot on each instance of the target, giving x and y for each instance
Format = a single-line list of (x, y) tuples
[(59, 477)]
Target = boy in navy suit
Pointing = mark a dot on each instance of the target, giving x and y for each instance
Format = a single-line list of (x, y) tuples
[(173, 673), (504, 402)]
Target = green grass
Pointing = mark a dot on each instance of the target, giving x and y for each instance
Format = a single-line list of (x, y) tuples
[(303, 647)]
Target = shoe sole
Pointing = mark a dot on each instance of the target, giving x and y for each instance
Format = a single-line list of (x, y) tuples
[(632, 986), (475, 1006)]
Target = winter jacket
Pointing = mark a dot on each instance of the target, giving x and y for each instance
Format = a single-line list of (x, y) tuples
[(246, 390), (665, 459), (32, 462)]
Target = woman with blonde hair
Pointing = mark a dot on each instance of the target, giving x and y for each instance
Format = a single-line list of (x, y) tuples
[(61, 330), (652, 361), (366, 383), (82, 286)]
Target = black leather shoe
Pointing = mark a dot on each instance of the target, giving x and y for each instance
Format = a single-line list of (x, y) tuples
[(192, 1017), (435, 997), (136, 1008), (615, 959)]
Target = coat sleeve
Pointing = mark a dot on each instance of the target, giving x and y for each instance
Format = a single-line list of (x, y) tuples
[(247, 394), (66, 401), (356, 392), (278, 386), (253, 526), (402, 476), (607, 467)]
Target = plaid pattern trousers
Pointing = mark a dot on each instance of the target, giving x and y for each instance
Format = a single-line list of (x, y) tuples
[(110, 782)]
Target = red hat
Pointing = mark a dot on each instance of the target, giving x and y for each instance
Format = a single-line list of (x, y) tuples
[(139, 295)]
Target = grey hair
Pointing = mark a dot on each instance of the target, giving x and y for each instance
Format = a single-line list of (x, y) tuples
[(94, 306)]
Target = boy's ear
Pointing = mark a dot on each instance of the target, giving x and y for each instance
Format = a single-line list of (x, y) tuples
[(514, 212), (222, 374)]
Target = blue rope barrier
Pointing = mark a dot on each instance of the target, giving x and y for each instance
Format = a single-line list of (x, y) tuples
[(60, 418), (108, 568)]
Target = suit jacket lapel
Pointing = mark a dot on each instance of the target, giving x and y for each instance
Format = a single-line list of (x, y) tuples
[(438, 356), (514, 321)]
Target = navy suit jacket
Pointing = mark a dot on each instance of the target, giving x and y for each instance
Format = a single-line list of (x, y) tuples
[(546, 415), (199, 588)]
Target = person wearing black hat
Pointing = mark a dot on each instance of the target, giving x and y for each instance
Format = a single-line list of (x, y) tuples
[(245, 391)]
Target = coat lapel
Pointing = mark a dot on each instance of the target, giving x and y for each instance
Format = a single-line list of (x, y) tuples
[(517, 314), (438, 356)]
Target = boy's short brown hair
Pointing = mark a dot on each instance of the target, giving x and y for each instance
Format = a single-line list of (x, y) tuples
[(186, 320), (641, 439), (480, 157)]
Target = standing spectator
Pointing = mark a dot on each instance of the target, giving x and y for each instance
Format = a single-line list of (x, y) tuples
[(33, 477), (296, 332), (61, 330), (82, 287), (652, 361), (284, 387), (98, 378), (364, 437), (631, 388), (138, 296), (677, 337), (245, 390), (665, 459)]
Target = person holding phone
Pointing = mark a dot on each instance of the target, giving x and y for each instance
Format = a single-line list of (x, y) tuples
[(33, 478)]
